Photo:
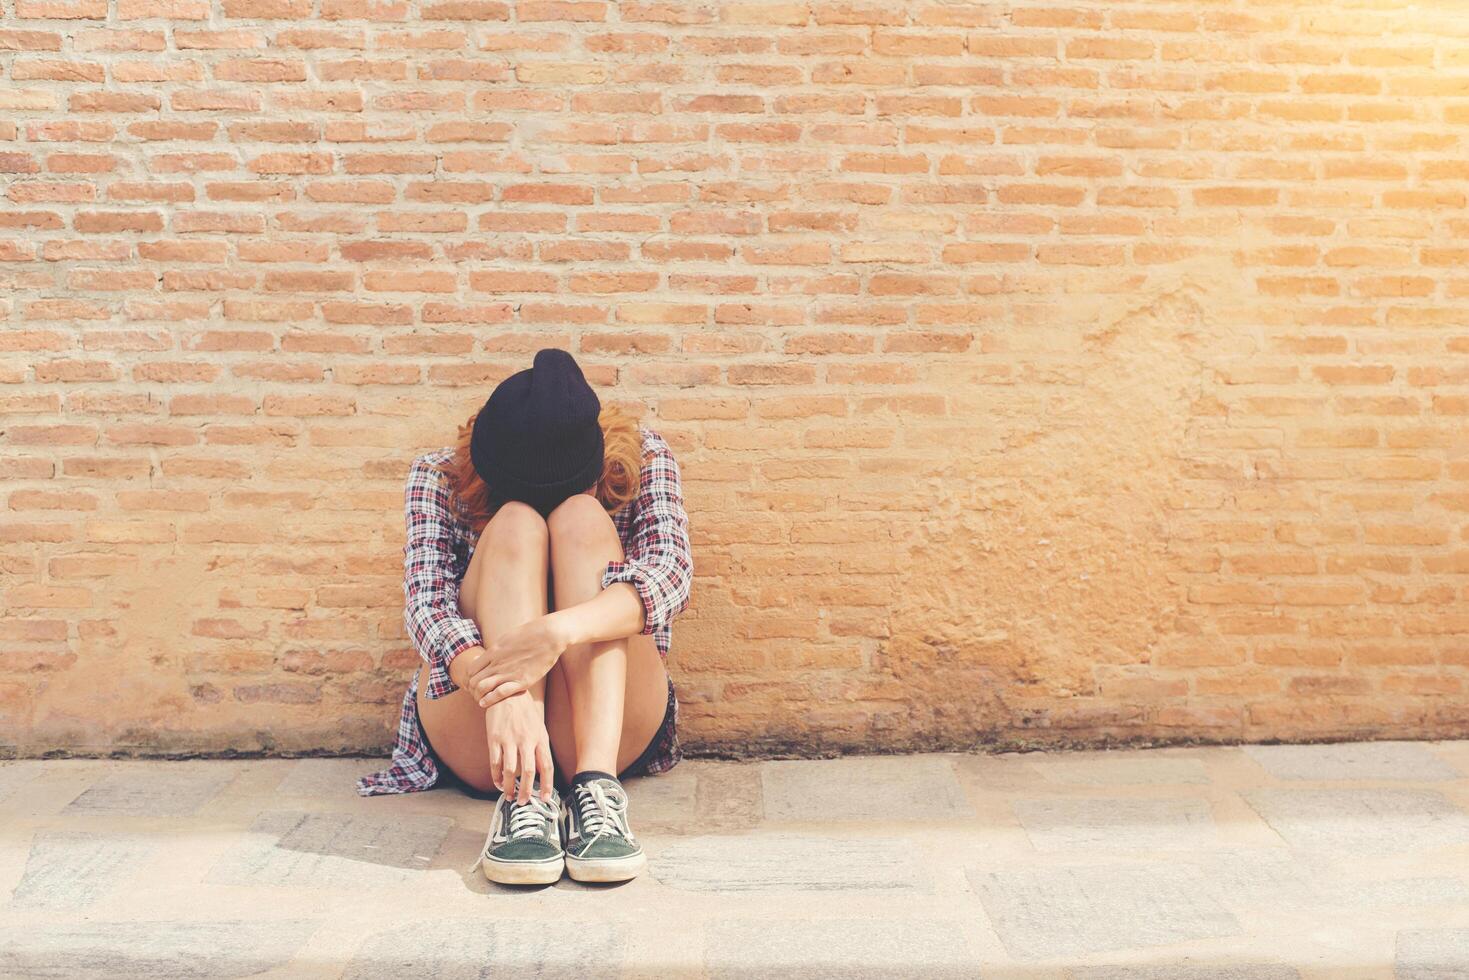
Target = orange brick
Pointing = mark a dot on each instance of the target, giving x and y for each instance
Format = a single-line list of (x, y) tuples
[(930, 300)]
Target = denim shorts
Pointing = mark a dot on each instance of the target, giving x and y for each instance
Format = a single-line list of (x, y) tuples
[(663, 744)]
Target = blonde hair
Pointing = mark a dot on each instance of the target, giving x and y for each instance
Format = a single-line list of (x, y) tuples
[(621, 469)]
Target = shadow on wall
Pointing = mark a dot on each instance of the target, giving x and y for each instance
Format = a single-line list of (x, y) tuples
[(1044, 574)]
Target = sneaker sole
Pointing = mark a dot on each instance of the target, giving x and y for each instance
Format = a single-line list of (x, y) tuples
[(606, 869), (522, 872)]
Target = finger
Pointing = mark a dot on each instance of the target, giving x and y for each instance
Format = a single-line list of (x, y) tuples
[(496, 756), (527, 771), (548, 774), (484, 683), (489, 669), (500, 692), (512, 765), (484, 686)]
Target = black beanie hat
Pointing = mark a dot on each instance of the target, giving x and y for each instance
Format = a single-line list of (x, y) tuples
[(537, 438)]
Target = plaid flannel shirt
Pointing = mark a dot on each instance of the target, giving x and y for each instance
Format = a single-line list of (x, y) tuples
[(653, 529)]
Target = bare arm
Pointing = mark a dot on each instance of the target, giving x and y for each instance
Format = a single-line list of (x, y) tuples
[(525, 654), (614, 612)]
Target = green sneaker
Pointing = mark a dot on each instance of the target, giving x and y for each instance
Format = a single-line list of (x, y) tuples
[(524, 844), (600, 845)]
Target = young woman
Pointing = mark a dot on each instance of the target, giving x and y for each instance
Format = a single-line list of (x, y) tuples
[(547, 556)]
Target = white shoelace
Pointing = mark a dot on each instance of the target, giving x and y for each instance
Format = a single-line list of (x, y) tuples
[(526, 820), (602, 809), (529, 819)]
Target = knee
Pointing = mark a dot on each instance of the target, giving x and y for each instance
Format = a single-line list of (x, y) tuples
[(580, 521), (515, 531)]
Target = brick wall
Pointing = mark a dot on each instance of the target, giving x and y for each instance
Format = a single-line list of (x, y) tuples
[(1039, 373)]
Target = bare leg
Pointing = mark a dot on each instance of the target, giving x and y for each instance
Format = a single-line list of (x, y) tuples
[(605, 700), (505, 586)]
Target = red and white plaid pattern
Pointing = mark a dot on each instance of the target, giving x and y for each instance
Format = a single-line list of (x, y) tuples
[(653, 529)]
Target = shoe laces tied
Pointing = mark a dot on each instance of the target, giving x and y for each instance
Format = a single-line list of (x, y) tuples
[(602, 809), (529, 819), (526, 820)]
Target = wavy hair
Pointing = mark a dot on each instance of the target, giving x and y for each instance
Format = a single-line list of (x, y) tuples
[(621, 469)]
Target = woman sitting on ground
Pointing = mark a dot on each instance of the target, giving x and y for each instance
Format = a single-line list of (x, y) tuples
[(547, 555)]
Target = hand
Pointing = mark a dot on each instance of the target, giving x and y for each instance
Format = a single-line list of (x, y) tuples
[(519, 747), (464, 666), (517, 659)]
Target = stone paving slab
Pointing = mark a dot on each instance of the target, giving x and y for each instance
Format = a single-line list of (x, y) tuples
[(668, 802), (14, 777), (1125, 769), (1338, 862), (1108, 823), (1245, 879), (1363, 820), (71, 870), (470, 949), (155, 950), (787, 862), (838, 949), (290, 849), (320, 777), (140, 790), (1433, 954), (1396, 761), (1438, 892), (1052, 912), (886, 788)]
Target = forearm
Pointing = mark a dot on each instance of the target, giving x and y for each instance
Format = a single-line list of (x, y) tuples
[(521, 657), (464, 666), (614, 612)]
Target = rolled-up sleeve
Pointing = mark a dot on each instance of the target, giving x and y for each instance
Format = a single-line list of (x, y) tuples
[(430, 579), (658, 564)]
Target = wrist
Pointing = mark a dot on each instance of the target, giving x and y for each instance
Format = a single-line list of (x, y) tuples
[(463, 666), (563, 627)]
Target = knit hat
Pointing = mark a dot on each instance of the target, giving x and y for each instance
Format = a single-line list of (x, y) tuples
[(537, 438)]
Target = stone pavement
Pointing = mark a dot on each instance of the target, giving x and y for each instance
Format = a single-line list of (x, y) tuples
[(1263, 861)]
